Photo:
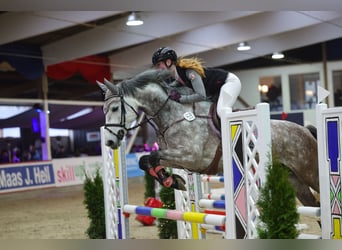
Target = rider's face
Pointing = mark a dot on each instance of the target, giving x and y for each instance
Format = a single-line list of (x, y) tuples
[(160, 65)]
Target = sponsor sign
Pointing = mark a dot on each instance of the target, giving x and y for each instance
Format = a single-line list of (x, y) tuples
[(72, 171), (25, 176)]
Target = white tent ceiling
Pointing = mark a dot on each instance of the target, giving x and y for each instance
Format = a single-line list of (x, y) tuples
[(210, 35)]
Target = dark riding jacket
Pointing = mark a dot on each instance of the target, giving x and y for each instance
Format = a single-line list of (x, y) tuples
[(205, 88)]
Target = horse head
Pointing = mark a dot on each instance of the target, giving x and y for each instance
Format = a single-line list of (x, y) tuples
[(118, 115), (123, 100)]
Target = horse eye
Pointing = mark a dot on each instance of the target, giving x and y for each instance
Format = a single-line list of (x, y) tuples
[(114, 109)]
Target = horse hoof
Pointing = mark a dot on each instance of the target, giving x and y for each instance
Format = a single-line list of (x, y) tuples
[(182, 187), (179, 182)]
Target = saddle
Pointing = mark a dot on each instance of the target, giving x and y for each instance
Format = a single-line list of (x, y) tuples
[(215, 124), (215, 119)]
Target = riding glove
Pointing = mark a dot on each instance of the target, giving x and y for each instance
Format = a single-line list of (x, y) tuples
[(175, 95)]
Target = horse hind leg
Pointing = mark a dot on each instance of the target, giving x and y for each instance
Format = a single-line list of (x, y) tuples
[(303, 192)]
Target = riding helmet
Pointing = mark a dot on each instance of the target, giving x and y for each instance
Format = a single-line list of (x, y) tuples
[(164, 53)]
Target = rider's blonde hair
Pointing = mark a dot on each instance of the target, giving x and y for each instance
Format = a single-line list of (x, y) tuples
[(192, 63)]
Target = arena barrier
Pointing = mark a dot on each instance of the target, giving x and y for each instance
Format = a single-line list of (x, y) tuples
[(329, 132)]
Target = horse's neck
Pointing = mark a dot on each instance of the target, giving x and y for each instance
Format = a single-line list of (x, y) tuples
[(156, 106)]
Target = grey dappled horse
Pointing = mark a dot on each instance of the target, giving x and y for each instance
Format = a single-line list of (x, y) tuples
[(193, 145)]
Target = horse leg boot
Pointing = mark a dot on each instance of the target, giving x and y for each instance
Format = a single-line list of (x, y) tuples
[(159, 173), (164, 178), (144, 164)]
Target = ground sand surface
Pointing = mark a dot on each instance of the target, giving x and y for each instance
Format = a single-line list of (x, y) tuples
[(59, 213)]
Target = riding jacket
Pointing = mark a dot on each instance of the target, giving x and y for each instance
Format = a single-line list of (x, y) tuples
[(205, 88)]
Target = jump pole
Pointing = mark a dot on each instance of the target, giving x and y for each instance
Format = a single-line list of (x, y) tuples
[(194, 217)]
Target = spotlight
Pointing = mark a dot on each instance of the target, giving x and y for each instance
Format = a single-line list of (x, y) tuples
[(277, 55), (134, 20), (243, 46)]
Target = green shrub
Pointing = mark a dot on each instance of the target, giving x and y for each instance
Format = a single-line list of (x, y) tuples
[(149, 186), (167, 228), (277, 205), (94, 202)]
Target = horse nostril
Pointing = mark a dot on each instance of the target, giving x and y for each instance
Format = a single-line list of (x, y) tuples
[(109, 143)]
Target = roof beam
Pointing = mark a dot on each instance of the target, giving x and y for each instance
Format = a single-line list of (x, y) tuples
[(116, 35), (33, 23), (279, 42), (197, 41)]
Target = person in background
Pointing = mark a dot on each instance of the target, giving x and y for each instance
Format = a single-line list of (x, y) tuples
[(4, 156), (213, 84), (16, 155)]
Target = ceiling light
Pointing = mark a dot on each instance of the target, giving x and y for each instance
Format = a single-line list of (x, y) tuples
[(134, 20), (7, 112), (77, 114), (277, 55), (243, 46)]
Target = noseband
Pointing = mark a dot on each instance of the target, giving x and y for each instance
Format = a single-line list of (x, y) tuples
[(121, 133)]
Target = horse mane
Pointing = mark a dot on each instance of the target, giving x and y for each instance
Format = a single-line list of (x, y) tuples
[(141, 80)]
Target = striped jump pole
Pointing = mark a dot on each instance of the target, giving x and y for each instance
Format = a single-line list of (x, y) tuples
[(186, 201), (207, 227), (219, 204), (207, 180), (309, 211), (213, 196), (194, 217), (212, 178)]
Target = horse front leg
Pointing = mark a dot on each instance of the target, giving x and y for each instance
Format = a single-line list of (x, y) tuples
[(151, 165), (193, 161)]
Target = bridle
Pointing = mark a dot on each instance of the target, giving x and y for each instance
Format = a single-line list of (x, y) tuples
[(121, 132)]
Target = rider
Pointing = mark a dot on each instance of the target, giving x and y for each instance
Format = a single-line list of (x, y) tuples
[(212, 84)]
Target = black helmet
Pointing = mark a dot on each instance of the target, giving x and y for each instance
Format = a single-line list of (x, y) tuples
[(163, 54)]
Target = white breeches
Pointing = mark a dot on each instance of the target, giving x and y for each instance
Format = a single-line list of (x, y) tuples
[(228, 94)]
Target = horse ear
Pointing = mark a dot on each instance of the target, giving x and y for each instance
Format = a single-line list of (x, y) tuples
[(111, 86), (102, 86)]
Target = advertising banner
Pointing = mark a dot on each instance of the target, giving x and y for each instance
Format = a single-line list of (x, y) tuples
[(72, 171), (26, 176)]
